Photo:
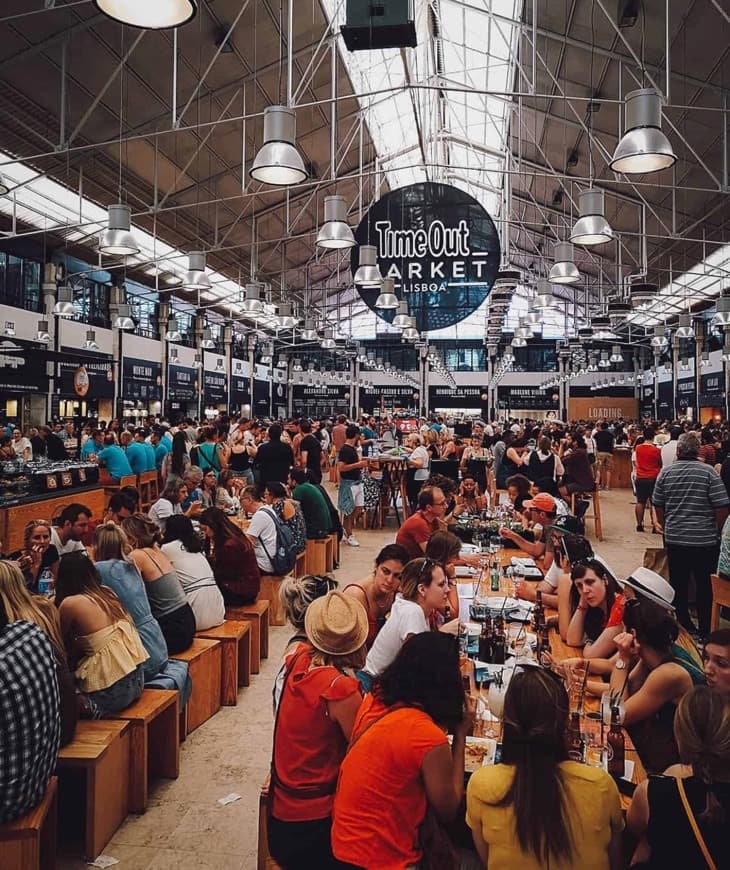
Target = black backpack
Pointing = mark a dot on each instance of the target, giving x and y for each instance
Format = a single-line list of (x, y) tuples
[(284, 557)]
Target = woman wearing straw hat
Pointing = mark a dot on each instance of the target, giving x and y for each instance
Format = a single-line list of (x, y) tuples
[(318, 705)]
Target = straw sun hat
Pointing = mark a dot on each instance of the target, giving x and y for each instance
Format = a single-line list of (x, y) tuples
[(336, 624)]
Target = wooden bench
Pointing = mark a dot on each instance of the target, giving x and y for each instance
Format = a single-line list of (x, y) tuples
[(720, 598), (29, 843), (270, 588), (235, 638), (93, 783), (264, 861), (155, 742), (316, 556), (300, 566), (204, 666), (258, 615)]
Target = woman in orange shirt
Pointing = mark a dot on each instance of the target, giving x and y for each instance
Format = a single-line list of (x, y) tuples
[(318, 705), (400, 762)]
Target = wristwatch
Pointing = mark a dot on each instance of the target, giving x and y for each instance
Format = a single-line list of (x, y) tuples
[(620, 664)]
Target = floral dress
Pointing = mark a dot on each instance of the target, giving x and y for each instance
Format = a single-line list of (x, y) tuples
[(296, 524)]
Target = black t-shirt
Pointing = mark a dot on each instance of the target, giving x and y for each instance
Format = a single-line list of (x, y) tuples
[(311, 446), (274, 460), (604, 441), (349, 455), (55, 449)]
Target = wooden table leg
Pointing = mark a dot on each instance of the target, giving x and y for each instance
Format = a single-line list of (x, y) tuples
[(137, 767), (163, 740), (244, 659), (107, 796), (229, 674)]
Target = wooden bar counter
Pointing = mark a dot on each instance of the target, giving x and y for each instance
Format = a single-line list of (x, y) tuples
[(621, 475), (14, 518)]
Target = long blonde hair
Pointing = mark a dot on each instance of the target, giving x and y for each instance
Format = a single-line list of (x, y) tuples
[(28, 531), (110, 542), (19, 604)]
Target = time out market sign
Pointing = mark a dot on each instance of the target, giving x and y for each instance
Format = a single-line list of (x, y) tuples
[(439, 246)]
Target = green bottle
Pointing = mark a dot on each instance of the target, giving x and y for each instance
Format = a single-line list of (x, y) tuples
[(494, 578)]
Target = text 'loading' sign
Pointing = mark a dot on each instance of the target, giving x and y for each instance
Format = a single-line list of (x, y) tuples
[(439, 246)]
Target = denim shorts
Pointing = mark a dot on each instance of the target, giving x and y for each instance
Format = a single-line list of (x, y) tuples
[(105, 702)]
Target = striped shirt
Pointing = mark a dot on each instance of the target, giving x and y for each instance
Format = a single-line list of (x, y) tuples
[(690, 492)]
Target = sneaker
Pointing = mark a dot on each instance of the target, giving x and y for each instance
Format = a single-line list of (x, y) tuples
[(345, 539), (352, 541)]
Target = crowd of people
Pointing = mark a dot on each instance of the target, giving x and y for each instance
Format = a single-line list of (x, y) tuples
[(371, 710)]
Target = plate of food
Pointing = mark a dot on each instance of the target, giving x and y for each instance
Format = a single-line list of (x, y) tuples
[(499, 602)]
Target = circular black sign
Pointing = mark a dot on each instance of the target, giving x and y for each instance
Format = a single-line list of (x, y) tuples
[(440, 247)]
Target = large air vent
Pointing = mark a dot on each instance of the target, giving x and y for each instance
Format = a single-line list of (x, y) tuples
[(384, 24)]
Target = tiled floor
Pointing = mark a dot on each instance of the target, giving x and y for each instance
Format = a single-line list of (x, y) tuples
[(184, 826)]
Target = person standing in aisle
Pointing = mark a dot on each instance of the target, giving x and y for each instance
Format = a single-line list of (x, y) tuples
[(351, 498), (338, 436), (604, 442), (648, 458), (310, 452)]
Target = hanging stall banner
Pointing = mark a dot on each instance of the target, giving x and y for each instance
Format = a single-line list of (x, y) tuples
[(141, 380), (182, 383), (712, 393), (439, 246), (686, 395), (215, 388), (308, 400), (665, 409), (261, 396), (454, 397), (92, 378), (530, 398)]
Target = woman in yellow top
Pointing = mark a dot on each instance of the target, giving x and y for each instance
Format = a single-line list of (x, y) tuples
[(102, 643), (538, 809)]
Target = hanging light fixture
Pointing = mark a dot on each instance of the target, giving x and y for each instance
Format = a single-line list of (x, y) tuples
[(368, 272), (518, 341), (643, 147), (705, 360), (296, 364), (402, 319), (90, 343), (150, 14), (206, 342), (387, 298), (64, 306), (544, 299), (410, 332), (532, 319), (4, 189), (722, 315), (616, 355), (642, 292), (309, 333), (726, 350), (328, 339), (278, 161), (123, 319), (684, 364), (117, 238), (335, 233), (267, 354), (591, 228), (172, 333), (685, 328), (604, 363), (252, 303), (42, 334), (564, 270), (287, 320), (659, 339), (196, 278), (618, 311)]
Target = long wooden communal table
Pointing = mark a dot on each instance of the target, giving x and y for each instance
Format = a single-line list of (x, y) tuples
[(561, 651)]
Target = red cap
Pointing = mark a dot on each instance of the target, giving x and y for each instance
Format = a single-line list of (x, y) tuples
[(543, 501)]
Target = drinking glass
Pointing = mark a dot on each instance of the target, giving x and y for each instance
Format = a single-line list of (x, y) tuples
[(595, 751), (494, 545), (608, 701), (576, 677), (496, 700)]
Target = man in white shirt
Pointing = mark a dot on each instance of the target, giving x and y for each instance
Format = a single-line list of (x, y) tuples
[(669, 450), (262, 529), (22, 446), (73, 524)]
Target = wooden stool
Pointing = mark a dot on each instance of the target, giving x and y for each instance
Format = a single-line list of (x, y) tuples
[(316, 556), (128, 480), (270, 586), (93, 783), (235, 659), (29, 843), (258, 615), (720, 598), (596, 515), (204, 666), (155, 742), (149, 490), (335, 546), (264, 861), (300, 567)]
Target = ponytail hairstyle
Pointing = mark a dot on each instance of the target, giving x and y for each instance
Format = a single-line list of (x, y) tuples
[(702, 732)]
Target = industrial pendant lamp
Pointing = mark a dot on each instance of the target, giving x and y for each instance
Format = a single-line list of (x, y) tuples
[(196, 278), (150, 14), (411, 332), (387, 298), (685, 328), (564, 270), (172, 333), (123, 319), (591, 228), (206, 342), (604, 362), (198, 361), (368, 272), (64, 306), (287, 320), (252, 303), (643, 147), (705, 359), (659, 339), (42, 334), (328, 339), (335, 233), (278, 162), (402, 319), (309, 333), (4, 189), (616, 355), (117, 238), (722, 315), (544, 299), (517, 341)]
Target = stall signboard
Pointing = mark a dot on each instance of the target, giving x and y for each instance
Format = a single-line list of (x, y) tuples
[(182, 383), (261, 396), (389, 398), (712, 392), (141, 380), (439, 246), (21, 374), (527, 398), (215, 388), (90, 378), (454, 397), (686, 394), (665, 407), (309, 400)]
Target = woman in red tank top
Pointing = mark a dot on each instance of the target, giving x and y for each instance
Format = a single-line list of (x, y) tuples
[(376, 592)]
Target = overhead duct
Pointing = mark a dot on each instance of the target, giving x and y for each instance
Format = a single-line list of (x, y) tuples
[(370, 25)]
